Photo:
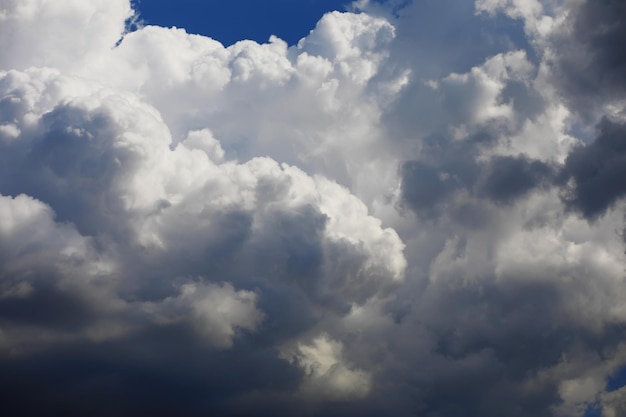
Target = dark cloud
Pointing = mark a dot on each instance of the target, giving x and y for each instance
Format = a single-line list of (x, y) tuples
[(479, 354), (69, 162), (47, 307), (160, 371), (425, 188), (507, 178), (590, 59), (596, 173), (446, 167), (429, 185)]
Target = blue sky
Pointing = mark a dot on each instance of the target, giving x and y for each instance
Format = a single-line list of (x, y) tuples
[(230, 21)]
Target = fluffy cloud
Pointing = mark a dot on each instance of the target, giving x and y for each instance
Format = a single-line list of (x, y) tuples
[(400, 214), (139, 234), (66, 34)]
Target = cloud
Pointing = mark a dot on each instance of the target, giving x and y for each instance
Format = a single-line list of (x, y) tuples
[(216, 311), (508, 178), (596, 171), (117, 235), (327, 376), (405, 213), (578, 41), (65, 34), (589, 63)]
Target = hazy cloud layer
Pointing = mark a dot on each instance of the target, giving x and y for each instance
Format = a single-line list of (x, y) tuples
[(411, 212)]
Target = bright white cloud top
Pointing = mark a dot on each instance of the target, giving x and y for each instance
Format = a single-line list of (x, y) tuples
[(380, 220)]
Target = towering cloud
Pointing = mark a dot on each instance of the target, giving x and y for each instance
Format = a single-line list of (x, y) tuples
[(415, 211)]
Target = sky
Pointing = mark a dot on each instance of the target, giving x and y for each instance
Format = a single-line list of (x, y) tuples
[(409, 208), (231, 21)]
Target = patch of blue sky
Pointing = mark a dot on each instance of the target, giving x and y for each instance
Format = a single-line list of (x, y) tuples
[(617, 380), (593, 410), (231, 21)]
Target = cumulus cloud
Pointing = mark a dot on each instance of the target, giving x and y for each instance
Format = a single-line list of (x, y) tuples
[(139, 234), (43, 33), (405, 213), (578, 42)]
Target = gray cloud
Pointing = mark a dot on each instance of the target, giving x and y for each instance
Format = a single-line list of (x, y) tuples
[(434, 49), (590, 62), (506, 178), (597, 171), (430, 186)]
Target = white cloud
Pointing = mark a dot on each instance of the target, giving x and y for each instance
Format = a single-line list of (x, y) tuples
[(216, 311), (65, 34), (105, 163), (327, 375)]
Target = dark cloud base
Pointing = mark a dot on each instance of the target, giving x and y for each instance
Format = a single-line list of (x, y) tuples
[(161, 372)]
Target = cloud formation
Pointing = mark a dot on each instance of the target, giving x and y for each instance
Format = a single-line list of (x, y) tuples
[(410, 212), (597, 171)]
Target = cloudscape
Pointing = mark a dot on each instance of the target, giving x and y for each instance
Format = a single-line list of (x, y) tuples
[(416, 209)]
